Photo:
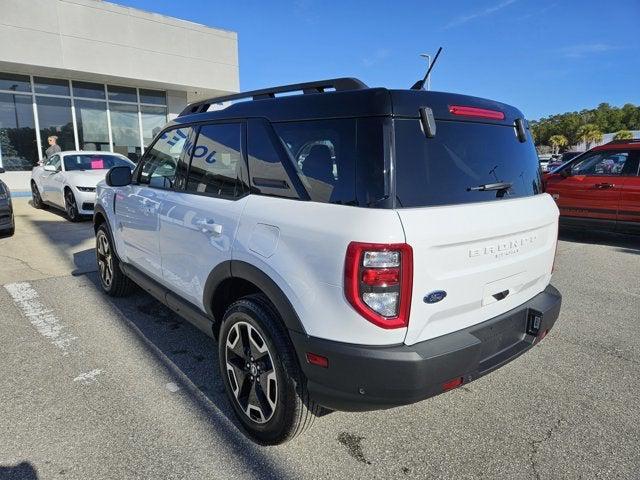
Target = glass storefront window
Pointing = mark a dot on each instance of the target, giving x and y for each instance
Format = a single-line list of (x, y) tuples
[(18, 147), (125, 130), (156, 97), (153, 119), (122, 94), (51, 86), (15, 83), (93, 129), (54, 117), (88, 90)]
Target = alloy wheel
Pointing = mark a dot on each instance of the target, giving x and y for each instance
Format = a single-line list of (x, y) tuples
[(105, 259), (71, 207), (251, 373)]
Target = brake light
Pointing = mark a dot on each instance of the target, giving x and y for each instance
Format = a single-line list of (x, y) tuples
[(476, 112), (378, 279)]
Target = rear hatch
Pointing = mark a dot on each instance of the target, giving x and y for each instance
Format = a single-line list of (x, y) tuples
[(471, 204)]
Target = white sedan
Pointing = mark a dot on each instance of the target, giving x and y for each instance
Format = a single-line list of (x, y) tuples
[(67, 180)]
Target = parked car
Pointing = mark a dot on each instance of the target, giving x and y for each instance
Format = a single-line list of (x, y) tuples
[(544, 160), (561, 160), (600, 188), (67, 180), (353, 249), (7, 223)]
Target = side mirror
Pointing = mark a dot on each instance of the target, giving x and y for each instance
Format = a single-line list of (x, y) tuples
[(118, 176), (50, 168), (565, 173), (2, 170)]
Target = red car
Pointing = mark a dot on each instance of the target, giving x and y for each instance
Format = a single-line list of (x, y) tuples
[(600, 188)]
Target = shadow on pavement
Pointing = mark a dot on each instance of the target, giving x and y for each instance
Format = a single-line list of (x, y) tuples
[(621, 242), (22, 471), (191, 358)]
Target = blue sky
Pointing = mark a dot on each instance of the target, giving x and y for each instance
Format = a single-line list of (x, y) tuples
[(545, 57)]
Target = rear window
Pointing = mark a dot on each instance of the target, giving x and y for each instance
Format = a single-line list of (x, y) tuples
[(448, 168), (339, 161)]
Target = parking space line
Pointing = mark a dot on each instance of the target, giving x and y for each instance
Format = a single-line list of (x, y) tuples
[(42, 318)]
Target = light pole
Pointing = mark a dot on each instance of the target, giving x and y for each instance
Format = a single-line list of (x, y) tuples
[(428, 57)]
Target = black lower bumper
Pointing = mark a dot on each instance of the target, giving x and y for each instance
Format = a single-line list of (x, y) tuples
[(369, 377)]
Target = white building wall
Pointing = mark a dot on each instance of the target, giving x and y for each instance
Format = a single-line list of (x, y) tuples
[(101, 41)]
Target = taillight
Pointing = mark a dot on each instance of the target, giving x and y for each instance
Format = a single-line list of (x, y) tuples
[(476, 112), (378, 279)]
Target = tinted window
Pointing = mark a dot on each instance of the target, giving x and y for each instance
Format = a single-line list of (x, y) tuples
[(122, 94), (52, 86), (268, 174), (338, 161), (462, 155), (614, 162), (88, 90), (93, 162), (163, 164), (217, 163), (16, 83)]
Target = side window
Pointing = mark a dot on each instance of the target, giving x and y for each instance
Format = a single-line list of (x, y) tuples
[(604, 163), (163, 165), (217, 164), (56, 161), (268, 174), (324, 153)]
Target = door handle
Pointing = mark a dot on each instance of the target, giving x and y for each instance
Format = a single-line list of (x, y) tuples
[(604, 186), (208, 225)]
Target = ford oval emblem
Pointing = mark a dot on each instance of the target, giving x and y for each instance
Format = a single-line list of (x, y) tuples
[(435, 296)]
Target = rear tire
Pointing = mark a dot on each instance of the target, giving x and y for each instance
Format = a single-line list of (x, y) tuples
[(113, 281), (261, 375), (36, 199)]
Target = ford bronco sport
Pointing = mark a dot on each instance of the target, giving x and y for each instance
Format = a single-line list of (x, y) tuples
[(351, 248)]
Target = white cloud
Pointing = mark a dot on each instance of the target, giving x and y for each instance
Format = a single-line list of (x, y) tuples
[(482, 13), (583, 50)]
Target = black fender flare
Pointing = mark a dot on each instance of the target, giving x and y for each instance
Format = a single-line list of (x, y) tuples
[(246, 271)]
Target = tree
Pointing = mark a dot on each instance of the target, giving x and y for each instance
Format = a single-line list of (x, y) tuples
[(623, 135), (589, 134), (557, 142)]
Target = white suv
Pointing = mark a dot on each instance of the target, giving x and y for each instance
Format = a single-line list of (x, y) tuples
[(351, 248)]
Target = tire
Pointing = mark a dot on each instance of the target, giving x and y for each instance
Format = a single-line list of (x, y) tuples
[(71, 207), (113, 281), (284, 409), (36, 199)]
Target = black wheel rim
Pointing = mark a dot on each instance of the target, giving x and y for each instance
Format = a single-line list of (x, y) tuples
[(35, 195), (250, 372), (105, 259), (72, 209)]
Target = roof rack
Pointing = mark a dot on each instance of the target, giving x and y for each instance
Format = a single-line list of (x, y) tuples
[(337, 84)]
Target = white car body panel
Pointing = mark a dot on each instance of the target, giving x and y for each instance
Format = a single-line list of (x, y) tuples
[(474, 251), (51, 185)]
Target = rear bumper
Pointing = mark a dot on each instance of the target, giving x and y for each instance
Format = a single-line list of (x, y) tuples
[(369, 377)]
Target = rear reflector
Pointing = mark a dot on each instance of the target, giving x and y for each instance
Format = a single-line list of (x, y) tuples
[(451, 384), (315, 359), (476, 112)]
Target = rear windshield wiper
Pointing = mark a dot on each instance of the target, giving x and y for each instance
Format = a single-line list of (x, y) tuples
[(491, 187)]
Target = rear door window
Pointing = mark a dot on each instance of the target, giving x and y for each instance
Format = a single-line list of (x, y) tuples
[(448, 168)]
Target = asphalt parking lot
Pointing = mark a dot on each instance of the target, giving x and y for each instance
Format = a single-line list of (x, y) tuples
[(96, 388)]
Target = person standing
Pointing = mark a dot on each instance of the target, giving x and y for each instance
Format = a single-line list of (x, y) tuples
[(53, 146)]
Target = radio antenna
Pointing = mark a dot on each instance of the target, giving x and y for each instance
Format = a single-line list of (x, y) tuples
[(419, 85)]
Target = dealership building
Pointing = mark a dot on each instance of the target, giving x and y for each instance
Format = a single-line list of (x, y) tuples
[(100, 76)]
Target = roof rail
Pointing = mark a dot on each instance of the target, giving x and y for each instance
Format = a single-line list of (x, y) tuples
[(337, 84)]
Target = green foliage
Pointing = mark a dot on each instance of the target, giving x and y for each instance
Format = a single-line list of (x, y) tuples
[(605, 118), (558, 141), (623, 135), (589, 133)]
